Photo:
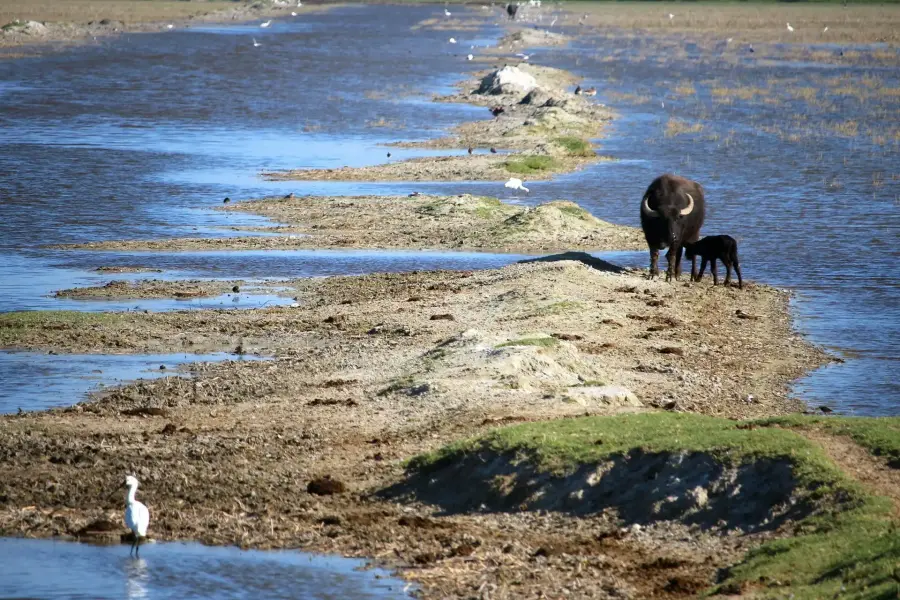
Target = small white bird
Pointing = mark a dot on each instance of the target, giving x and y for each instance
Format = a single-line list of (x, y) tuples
[(523, 56), (169, 26), (452, 40), (515, 183), (447, 13), (299, 4), (825, 30), (671, 16), (553, 22), (265, 24), (728, 40), (293, 14), (256, 44), (470, 57), (137, 517), (789, 28)]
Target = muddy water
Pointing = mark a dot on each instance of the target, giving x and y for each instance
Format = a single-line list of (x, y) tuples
[(49, 569)]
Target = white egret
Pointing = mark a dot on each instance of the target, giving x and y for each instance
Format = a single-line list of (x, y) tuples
[(523, 56), (789, 28), (293, 14), (825, 30), (256, 44), (470, 57), (265, 24), (447, 13), (671, 16), (553, 22), (515, 183), (452, 40), (137, 517), (169, 26)]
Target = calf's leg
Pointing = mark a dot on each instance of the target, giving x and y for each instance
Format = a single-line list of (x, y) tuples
[(727, 272), (715, 271), (703, 262), (737, 269)]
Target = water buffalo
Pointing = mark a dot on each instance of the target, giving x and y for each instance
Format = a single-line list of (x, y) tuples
[(712, 248), (672, 212)]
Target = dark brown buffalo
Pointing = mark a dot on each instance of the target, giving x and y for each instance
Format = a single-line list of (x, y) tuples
[(672, 213), (713, 248)]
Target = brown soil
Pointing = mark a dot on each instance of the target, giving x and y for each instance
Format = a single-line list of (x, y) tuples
[(52, 24), (152, 289), (419, 222), (857, 462), (364, 378)]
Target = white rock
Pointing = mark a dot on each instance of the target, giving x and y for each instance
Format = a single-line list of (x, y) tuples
[(508, 80)]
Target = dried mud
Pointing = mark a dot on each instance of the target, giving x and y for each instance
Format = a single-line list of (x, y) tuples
[(153, 288), (420, 222)]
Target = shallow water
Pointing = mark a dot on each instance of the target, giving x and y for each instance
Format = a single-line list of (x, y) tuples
[(37, 381), (54, 570), (139, 136)]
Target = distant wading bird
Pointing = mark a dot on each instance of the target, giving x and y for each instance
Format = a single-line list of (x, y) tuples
[(789, 28), (137, 517), (515, 183), (266, 24), (256, 44)]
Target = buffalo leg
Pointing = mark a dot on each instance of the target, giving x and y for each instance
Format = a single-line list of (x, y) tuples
[(674, 256), (715, 271), (654, 263), (737, 269), (727, 273)]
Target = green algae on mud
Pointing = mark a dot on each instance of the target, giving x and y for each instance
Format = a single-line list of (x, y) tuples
[(838, 538)]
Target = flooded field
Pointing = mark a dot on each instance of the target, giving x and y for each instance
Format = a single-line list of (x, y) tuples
[(31, 568)]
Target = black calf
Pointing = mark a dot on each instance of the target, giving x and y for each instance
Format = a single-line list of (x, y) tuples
[(712, 247)]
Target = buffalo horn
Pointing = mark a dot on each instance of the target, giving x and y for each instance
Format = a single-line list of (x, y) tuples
[(645, 208), (687, 210)]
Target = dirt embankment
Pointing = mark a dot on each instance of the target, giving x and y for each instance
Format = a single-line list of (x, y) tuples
[(51, 23), (372, 370), (537, 116), (410, 222)]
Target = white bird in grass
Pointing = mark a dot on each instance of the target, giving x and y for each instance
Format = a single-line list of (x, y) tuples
[(256, 44), (515, 183), (825, 30), (137, 517), (266, 24), (789, 28)]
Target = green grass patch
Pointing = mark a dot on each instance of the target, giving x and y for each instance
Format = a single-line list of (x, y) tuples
[(575, 146), (850, 549), (534, 163), (543, 342), (573, 210)]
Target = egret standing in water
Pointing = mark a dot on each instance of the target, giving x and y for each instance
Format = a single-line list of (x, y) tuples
[(516, 184), (137, 517)]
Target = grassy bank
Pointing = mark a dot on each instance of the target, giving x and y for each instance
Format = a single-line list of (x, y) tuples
[(847, 544)]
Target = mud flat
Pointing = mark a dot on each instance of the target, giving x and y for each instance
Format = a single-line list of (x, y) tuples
[(44, 23), (462, 222), (154, 288), (309, 449), (537, 116)]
